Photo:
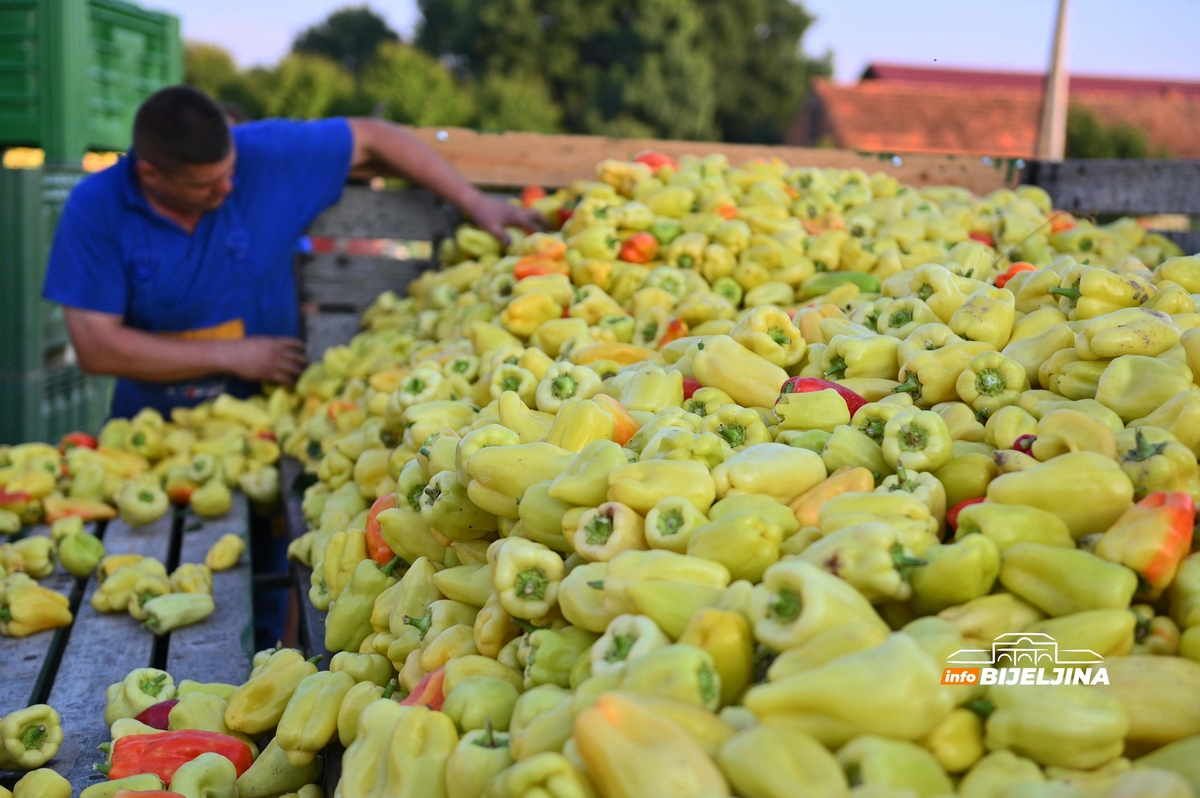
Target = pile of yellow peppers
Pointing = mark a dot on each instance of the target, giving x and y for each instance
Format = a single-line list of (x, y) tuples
[(703, 494), (137, 468)]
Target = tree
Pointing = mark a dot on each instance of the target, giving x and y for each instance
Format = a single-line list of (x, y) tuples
[(672, 68), (212, 69), (305, 87), (412, 87), (349, 36), (761, 72), (516, 103), (618, 67), (1087, 137)]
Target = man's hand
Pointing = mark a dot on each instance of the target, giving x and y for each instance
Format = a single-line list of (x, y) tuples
[(493, 215), (267, 358)]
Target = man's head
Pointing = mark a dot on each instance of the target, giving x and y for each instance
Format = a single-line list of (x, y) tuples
[(184, 149)]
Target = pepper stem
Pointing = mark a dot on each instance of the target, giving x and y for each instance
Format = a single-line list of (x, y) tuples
[(910, 385), (1071, 293), (33, 737), (904, 562), (981, 707), (1143, 449), (102, 768), (391, 688), (391, 566), (420, 624), (315, 660)]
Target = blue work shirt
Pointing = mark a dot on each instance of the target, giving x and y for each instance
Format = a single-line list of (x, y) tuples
[(230, 278)]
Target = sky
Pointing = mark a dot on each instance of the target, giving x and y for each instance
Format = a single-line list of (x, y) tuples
[(1110, 37)]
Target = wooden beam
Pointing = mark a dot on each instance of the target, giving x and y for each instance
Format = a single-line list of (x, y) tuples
[(1052, 137), (220, 648), (507, 160)]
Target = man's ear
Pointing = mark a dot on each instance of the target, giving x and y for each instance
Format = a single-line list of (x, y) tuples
[(148, 172)]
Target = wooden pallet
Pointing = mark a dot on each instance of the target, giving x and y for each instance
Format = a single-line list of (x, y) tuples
[(71, 668)]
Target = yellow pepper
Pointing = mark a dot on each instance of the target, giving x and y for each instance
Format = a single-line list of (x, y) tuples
[(768, 332), (1134, 386), (1086, 490), (1086, 292), (751, 380), (642, 485)]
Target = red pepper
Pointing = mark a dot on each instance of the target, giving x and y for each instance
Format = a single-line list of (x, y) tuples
[(532, 194), (564, 215), (535, 265), (690, 386), (728, 211), (265, 435), (810, 384), (657, 160), (16, 501), (1013, 271), (952, 513), (428, 691), (983, 238), (676, 329), (156, 716), (1024, 443), (73, 440), (164, 753), (377, 547), (639, 248)]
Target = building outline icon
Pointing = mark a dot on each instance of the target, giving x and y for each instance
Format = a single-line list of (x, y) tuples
[(1024, 649)]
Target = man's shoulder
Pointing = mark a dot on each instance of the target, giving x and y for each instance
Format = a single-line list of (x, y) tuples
[(274, 135), (102, 192)]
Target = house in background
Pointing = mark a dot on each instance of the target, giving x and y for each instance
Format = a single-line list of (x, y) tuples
[(899, 108)]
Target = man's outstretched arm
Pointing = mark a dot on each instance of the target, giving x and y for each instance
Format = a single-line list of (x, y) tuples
[(383, 144), (105, 345)]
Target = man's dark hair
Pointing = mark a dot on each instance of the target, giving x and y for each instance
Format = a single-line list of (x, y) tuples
[(180, 126)]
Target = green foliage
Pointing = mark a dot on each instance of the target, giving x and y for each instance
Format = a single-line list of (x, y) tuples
[(306, 87), (349, 36), (212, 69), (516, 103), (672, 68), (761, 73), (412, 87), (694, 69), (1087, 137)]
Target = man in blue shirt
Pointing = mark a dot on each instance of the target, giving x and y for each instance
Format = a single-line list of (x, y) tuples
[(175, 265)]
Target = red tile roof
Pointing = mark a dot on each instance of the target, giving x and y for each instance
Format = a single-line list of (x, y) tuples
[(972, 116), (1080, 84)]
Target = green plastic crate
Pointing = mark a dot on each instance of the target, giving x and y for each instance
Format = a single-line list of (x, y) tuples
[(45, 405), (73, 72), (32, 333)]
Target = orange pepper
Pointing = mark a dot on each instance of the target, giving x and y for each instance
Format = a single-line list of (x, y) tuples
[(377, 547), (846, 479), (1013, 271), (535, 265), (624, 425), (1151, 538)]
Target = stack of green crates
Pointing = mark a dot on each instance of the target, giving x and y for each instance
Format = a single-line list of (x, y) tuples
[(72, 74), (43, 394)]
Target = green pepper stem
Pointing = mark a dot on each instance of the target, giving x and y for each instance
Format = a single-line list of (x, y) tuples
[(904, 562), (315, 660), (1071, 293), (1143, 449), (391, 566), (910, 385), (391, 688), (981, 707)]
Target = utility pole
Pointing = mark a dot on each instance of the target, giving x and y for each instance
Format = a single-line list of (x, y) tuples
[(1052, 138)]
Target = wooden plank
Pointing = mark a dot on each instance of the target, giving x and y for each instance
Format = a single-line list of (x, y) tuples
[(312, 620), (220, 648), (1121, 185), (507, 160), (350, 283), (25, 658), (103, 648), (414, 214)]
